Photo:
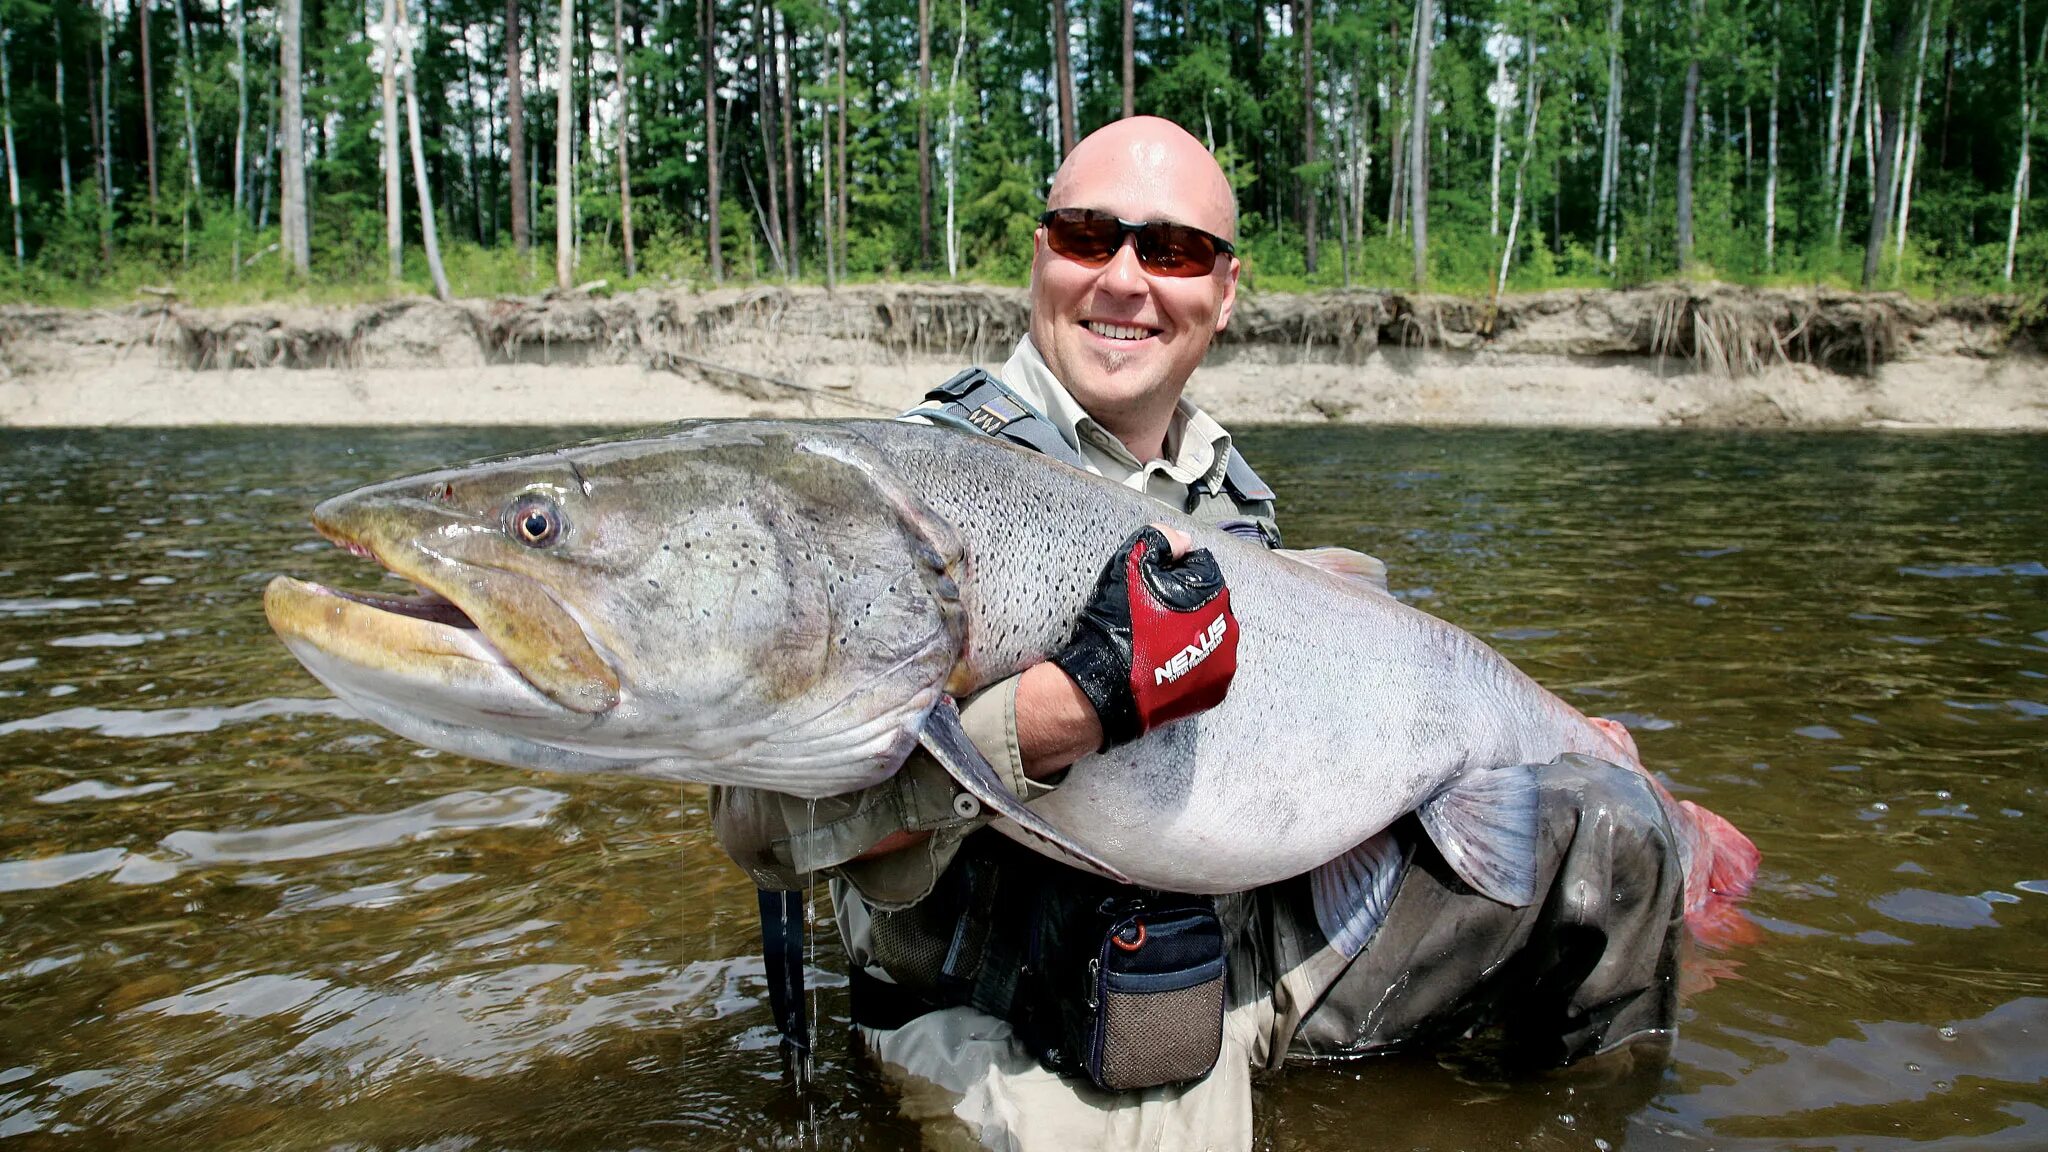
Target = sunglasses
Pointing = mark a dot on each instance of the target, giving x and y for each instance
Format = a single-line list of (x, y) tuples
[(1089, 237)]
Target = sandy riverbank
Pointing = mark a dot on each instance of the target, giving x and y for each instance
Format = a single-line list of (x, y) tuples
[(1713, 357)]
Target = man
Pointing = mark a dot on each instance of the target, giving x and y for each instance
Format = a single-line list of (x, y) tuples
[(1133, 275)]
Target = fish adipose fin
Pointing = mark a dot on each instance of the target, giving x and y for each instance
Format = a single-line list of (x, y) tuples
[(1342, 562), (1484, 823), (948, 743), (1353, 892)]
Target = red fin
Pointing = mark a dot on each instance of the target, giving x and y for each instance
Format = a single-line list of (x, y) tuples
[(1732, 858)]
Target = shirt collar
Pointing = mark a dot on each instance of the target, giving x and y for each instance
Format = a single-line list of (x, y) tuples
[(1197, 448)]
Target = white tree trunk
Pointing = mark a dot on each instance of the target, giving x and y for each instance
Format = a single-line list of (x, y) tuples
[(1851, 125), (625, 137), (292, 212), (63, 124), (241, 128), (1498, 97), (394, 183), (1418, 138), (1834, 155), (14, 171), (1610, 151), (185, 69), (953, 145), (565, 154), (419, 157), (1534, 100), (1905, 197), (1771, 158), (2020, 176)]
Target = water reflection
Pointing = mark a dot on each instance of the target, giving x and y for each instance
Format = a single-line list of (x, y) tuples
[(232, 914)]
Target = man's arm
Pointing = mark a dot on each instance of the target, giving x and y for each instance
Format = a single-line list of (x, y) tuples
[(1056, 723)]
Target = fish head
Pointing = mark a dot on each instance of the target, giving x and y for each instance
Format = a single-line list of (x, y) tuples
[(758, 604)]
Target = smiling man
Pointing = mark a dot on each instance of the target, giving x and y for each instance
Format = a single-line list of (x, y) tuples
[(1056, 1010)]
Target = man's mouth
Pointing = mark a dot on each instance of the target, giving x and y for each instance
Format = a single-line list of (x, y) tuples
[(1127, 332)]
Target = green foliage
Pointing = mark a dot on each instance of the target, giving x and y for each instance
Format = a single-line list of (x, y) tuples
[(1230, 72)]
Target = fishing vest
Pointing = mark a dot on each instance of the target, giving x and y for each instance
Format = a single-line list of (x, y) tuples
[(1122, 985), (976, 401)]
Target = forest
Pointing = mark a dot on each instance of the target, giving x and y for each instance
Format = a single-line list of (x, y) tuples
[(223, 150)]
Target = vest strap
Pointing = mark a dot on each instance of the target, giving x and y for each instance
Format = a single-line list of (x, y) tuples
[(986, 405)]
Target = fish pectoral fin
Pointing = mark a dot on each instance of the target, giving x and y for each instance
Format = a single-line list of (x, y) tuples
[(1342, 562), (947, 741), (1353, 892), (1485, 824)]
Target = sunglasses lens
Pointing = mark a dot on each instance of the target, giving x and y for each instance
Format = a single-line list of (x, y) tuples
[(1084, 236), (1176, 250)]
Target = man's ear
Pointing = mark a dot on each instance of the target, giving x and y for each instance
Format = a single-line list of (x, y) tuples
[(1229, 296)]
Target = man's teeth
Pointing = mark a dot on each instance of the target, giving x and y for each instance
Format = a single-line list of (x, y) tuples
[(1117, 331)]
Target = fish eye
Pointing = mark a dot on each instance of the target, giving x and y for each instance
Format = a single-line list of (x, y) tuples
[(534, 520)]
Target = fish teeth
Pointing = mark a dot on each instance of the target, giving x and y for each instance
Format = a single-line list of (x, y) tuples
[(1117, 331)]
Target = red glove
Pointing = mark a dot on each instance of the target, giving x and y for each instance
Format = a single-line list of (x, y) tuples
[(1157, 642)]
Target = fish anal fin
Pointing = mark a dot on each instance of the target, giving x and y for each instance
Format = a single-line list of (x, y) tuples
[(1343, 563), (1353, 892), (1485, 824), (947, 741)]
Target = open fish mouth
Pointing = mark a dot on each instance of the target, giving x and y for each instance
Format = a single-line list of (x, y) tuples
[(464, 630)]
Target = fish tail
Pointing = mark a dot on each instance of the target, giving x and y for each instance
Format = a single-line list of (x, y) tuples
[(1723, 866)]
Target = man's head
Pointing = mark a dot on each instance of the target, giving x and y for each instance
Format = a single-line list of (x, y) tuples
[(1123, 339)]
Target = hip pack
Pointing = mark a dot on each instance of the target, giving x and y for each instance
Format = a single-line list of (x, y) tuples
[(1123, 985)]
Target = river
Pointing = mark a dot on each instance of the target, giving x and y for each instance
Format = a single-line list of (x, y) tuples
[(233, 916)]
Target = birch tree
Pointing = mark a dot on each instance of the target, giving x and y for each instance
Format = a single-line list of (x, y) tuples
[(63, 121), (419, 157), (291, 214), (7, 126), (1687, 117), (707, 21), (1850, 127), (1913, 131), (1418, 139), (1307, 11), (1498, 94), (924, 132), (149, 89), (241, 132), (953, 145), (394, 207), (515, 133), (1532, 97), (625, 99), (1771, 156), (565, 155), (2021, 174)]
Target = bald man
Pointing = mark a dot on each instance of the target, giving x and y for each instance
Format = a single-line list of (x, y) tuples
[(978, 968)]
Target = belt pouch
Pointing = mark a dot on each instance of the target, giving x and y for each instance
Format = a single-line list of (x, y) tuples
[(1155, 995)]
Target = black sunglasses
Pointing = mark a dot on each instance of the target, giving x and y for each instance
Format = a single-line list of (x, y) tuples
[(1089, 237)]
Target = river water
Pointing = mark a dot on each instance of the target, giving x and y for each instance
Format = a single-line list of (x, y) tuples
[(232, 916)]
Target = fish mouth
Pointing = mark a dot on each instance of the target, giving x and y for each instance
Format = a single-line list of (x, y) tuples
[(484, 638)]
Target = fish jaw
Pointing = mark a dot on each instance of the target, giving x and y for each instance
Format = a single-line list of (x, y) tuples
[(439, 684)]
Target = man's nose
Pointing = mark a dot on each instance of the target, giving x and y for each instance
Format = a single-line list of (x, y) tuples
[(1123, 274)]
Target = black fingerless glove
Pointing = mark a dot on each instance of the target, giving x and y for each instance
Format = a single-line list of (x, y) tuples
[(1158, 641)]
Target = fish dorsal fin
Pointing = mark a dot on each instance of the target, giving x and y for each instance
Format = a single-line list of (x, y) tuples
[(1485, 824), (947, 741), (1353, 892), (1343, 562)]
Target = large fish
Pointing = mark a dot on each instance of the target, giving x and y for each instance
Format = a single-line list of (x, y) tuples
[(792, 606)]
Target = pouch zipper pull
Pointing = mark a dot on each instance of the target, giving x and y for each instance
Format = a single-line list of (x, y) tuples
[(1094, 982)]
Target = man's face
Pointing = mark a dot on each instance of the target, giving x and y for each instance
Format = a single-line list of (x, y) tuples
[(1123, 339)]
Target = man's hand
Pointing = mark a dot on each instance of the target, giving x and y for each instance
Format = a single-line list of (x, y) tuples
[(1158, 641)]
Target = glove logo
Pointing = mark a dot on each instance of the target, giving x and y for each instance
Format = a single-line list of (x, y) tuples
[(1188, 658)]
